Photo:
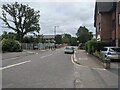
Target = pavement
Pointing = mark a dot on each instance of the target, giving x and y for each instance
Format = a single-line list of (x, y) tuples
[(81, 57), (90, 73)]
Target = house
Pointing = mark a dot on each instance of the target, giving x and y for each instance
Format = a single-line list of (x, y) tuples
[(49, 37), (106, 21)]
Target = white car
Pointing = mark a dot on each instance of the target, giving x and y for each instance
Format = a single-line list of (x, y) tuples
[(111, 52), (69, 49)]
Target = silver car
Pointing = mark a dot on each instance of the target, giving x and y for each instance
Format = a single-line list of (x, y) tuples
[(111, 52), (69, 49)]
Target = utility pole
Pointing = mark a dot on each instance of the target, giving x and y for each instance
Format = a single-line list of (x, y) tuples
[(117, 25), (55, 28)]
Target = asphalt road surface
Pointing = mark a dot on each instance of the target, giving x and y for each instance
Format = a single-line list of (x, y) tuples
[(50, 69), (54, 69)]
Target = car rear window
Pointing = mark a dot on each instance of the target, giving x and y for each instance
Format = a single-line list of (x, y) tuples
[(115, 49), (104, 49), (68, 47)]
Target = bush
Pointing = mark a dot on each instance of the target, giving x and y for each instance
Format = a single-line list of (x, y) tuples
[(11, 45), (92, 46)]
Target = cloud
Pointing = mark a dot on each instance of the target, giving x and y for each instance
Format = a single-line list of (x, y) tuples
[(67, 15)]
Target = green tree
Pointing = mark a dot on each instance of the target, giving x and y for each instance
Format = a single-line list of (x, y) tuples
[(20, 18), (67, 38), (58, 39), (8, 35), (73, 41), (83, 34), (11, 45)]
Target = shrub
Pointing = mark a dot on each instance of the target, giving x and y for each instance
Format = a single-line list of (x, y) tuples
[(92, 46), (11, 45)]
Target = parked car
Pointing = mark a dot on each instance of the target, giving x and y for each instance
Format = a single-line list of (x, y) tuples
[(69, 49), (111, 52), (35, 46), (81, 46)]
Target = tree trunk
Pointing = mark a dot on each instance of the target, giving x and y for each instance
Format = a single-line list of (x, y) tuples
[(20, 36)]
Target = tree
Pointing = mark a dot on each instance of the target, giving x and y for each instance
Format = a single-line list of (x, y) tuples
[(67, 38), (73, 41), (20, 18), (11, 45), (9, 35), (58, 39), (83, 34)]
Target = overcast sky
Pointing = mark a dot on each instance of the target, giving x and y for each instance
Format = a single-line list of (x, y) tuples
[(68, 16)]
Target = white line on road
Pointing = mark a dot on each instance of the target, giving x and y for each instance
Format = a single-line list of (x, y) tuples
[(42, 50), (43, 57), (99, 68), (46, 56), (11, 58), (73, 60), (6, 67)]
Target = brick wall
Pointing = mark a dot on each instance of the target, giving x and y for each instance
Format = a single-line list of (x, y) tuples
[(106, 27)]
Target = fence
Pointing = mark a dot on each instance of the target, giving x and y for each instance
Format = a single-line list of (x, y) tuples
[(32, 46)]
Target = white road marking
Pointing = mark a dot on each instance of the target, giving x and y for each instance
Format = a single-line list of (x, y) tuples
[(73, 61), (50, 55), (99, 68), (42, 50), (46, 56), (43, 57), (30, 52), (6, 67), (57, 52), (11, 58), (78, 83)]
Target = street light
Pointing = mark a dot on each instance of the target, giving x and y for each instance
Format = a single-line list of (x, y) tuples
[(55, 28)]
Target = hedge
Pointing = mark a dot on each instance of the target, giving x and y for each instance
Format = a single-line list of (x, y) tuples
[(11, 45), (92, 46)]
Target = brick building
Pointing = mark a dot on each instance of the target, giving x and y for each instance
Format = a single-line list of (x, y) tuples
[(106, 21)]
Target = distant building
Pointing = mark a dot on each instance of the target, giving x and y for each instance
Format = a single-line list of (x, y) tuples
[(49, 37), (106, 21)]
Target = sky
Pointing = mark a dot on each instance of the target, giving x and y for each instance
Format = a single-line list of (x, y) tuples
[(67, 15)]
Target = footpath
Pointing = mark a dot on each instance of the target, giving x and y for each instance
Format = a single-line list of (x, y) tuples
[(90, 73)]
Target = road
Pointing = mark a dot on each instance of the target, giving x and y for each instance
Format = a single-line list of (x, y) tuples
[(50, 69), (54, 69)]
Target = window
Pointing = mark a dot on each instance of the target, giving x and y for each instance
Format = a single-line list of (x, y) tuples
[(104, 49), (119, 19), (113, 25), (115, 49)]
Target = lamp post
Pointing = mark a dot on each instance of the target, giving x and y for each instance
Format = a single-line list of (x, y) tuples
[(55, 28)]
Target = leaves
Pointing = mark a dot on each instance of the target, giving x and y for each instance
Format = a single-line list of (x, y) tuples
[(83, 34), (20, 18), (58, 39)]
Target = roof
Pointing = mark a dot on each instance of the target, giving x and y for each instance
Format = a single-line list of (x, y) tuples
[(103, 7), (49, 36)]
